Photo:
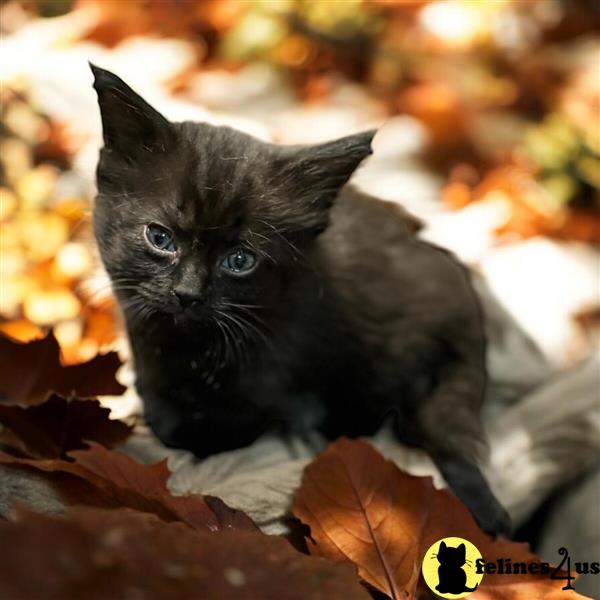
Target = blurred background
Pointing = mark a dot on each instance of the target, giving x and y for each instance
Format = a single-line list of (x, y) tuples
[(490, 133)]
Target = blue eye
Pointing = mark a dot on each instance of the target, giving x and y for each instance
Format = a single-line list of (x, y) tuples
[(239, 262), (160, 238)]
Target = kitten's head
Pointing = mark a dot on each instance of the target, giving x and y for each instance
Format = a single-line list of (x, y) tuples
[(191, 219), (451, 557)]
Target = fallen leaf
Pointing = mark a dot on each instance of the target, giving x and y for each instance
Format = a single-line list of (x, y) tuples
[(115, 479), (57, 426), (150, 482), (98, 554), (21, 330), (362, 509), (32, 371)]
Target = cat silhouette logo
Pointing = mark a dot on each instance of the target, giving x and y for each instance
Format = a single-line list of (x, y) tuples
[(449, 568)]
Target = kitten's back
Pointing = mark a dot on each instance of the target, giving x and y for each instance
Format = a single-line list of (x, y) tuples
[(373, 253)]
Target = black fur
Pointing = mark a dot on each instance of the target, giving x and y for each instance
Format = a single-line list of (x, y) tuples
[(348, 319)]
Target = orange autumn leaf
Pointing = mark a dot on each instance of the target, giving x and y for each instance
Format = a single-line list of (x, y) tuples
[(359, 510), (21, 330), (363, 509)]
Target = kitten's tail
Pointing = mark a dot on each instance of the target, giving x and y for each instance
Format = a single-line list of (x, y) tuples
[(471, 589)]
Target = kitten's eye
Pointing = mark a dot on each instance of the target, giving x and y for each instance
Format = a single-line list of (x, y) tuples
[(239, 262), (160, 238)]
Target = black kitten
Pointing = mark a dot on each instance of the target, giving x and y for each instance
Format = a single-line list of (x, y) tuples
[(257, 290), (452, 578)]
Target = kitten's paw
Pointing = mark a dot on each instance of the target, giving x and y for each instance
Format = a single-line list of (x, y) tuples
[(493, 518), (471, 487)]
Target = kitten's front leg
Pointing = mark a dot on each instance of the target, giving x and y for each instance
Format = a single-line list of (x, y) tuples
[(467, 481), (167, 415), (448, 427), (190, 419)]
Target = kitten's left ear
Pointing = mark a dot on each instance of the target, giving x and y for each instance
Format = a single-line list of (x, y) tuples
[(319, 171), (129, 124), (331, 164)]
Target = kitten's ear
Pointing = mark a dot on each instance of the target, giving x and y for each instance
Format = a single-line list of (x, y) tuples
[(129, 124), (442, 546), (318, 172), (330, 165), (462, 549)]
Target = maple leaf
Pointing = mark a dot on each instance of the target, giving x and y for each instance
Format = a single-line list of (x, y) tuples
[(57, 426), (363, 509), (32, 371), (106, 478), (98, 554)]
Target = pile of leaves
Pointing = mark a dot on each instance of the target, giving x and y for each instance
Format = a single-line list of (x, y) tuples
[(46, 244), (123, 534)]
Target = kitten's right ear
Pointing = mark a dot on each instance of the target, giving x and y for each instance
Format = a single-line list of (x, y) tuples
[(129, 124)]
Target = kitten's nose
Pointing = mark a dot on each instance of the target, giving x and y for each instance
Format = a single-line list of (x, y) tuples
[(186, 296)]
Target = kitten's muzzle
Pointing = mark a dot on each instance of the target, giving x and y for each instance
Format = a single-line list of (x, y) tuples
[(188, 298)]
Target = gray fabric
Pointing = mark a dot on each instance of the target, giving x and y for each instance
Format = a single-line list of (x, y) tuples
[(25, 486), (574, 522)]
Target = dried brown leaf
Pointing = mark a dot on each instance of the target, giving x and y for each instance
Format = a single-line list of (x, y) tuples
[(57, 426), (114, 479), (32, 371), (362, 509), (98, 554)]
